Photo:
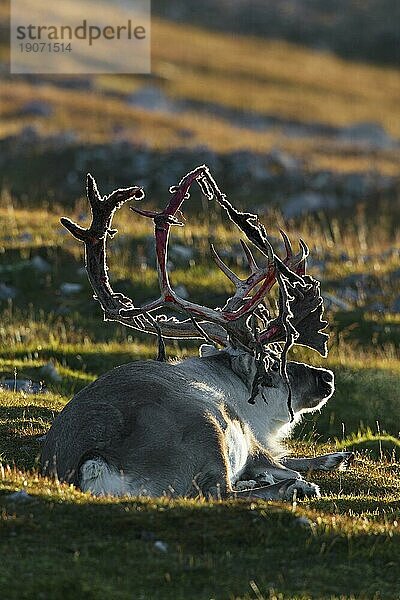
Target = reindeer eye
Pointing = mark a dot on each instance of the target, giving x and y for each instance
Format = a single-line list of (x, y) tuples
[(275, 366)]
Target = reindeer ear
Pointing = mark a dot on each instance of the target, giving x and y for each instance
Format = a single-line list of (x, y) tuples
[(207, 350), (244, 365)]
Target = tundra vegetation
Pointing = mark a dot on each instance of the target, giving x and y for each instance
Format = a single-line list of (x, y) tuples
[(66, 544)]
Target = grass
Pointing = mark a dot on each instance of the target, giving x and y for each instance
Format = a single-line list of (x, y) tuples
[(214, 550), (101, 548), (65, 544), (270, 78)]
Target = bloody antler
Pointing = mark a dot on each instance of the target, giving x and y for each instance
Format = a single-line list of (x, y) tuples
[(300, 302)]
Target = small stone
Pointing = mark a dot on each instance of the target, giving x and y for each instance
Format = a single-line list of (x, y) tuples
[(20, 497), (70, 288), (306, 202), (22, 385), (184, 253), (161, 546), (152, 98), (40, 265), (37, 108), (7, 292), (284, 160), (396, 305), (49, 371), (332, 301), (28, 135), (304, 523), (367, 133), (182, 292)]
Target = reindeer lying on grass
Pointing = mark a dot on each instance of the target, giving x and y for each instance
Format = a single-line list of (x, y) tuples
[(208, 425)]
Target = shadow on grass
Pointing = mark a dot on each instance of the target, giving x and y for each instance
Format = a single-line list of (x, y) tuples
[(208, 550), (20, 428)]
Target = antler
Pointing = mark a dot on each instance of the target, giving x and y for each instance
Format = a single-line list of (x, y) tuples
[(217, 325), (112, 303)]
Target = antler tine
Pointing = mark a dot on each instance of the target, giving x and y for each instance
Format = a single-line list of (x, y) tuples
[(250, 258), (288, 245), (80, 233), (300, 258), (224, 268), (301, 269)]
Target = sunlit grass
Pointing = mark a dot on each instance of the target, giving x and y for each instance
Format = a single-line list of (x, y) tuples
[(66, 544), (287, 82), (214, 549)]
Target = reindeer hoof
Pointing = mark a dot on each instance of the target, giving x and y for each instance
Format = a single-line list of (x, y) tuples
[(339, 461), (245, 485), (299, 489)]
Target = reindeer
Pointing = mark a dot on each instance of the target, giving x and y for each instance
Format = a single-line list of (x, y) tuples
[(210, 425)]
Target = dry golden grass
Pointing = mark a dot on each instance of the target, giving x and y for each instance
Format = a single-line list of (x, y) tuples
[(274, 77), (270, 77)]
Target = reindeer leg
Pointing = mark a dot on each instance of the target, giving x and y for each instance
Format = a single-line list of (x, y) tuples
[(283, 490), (275, 481), (327, 462)]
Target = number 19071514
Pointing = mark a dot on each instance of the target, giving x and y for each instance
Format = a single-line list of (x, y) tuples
[(39, 47)]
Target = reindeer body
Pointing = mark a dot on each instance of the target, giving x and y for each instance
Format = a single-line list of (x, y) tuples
[(156, 428), (210, 423)]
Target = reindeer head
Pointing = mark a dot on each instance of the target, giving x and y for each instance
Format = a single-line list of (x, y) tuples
[(244, 322)]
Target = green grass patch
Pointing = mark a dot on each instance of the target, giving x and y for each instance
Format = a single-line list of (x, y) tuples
[(108, 548)]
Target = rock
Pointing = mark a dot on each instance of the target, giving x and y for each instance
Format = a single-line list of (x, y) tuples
[(395, 275), (22, 385), (81, 272), (37, 108), (367, 133), (355, 280), (75, 83), (179, 252), (161, 546), (153, 98), (68, 289), (303, 522), (284, 160), (185, 133), (396, 305), (322, 180), (332, 301), (376, 307), (49, 371), (356, 185), (349, 294), (246, 165), (40, 265), (182, 291), (7, 292), (308, 201), (62, 139), (28, 135), (19, 497), (315, 263)]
